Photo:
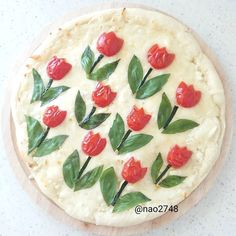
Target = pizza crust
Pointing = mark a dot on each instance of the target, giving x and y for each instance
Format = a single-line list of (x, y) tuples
[(137, 27)]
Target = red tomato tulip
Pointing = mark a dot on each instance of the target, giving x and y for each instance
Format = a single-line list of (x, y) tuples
[(57, 68), (103, 95), (93, 144), (187, 96), (109, 44), (178, 156), (137, 119), (159, 58), (132, 171), (53, 116)]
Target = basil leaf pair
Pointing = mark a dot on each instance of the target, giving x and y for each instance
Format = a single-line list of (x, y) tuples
[(132, 143), (169, 181), (109, 185), (41, 94), (71, 170), (103, 73), (35, 132), (178, 126), (80, 111), (135, 77)]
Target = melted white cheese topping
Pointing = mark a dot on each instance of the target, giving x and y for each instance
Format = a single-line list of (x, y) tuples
[(140, 29)]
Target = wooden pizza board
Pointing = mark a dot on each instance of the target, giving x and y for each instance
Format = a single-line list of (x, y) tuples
[(22, 172)]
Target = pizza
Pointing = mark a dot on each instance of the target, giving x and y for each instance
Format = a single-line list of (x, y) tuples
[(118, 109)]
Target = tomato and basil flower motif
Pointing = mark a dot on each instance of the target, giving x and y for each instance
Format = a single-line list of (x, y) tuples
[(158, 58), (93, 144), (108, 44), (102, 96), (176, 158), (57, 69), (137, 119), (37, 135), (120, 140), (74, 177), (52, 118), (132, 172), (186, 97)]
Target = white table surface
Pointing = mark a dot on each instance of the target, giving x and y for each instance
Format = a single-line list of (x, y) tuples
[(214, 21)]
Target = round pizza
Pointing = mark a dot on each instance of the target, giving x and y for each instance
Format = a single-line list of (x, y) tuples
[(117, 111)]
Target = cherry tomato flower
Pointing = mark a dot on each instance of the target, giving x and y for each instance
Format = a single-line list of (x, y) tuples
[(132, 171), (57, 68), (137, 119), (178, 156), (159, 58), (187, 96), (93, 144), (103, 95), (53, 116), (109, 44)]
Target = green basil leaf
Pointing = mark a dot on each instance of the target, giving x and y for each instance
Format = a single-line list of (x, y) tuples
[(179, 126), (88, 179), (52, 93), (87, 59), (171, 181), (152, 86), (35, 132), (130, 200), (50, 145), (38, 86), (104, 72), (116, 132), (80, 108), (156, 167), (71, 169), (94, 121), (135, 74), (135, 142), (164, 111), (108, 185)]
